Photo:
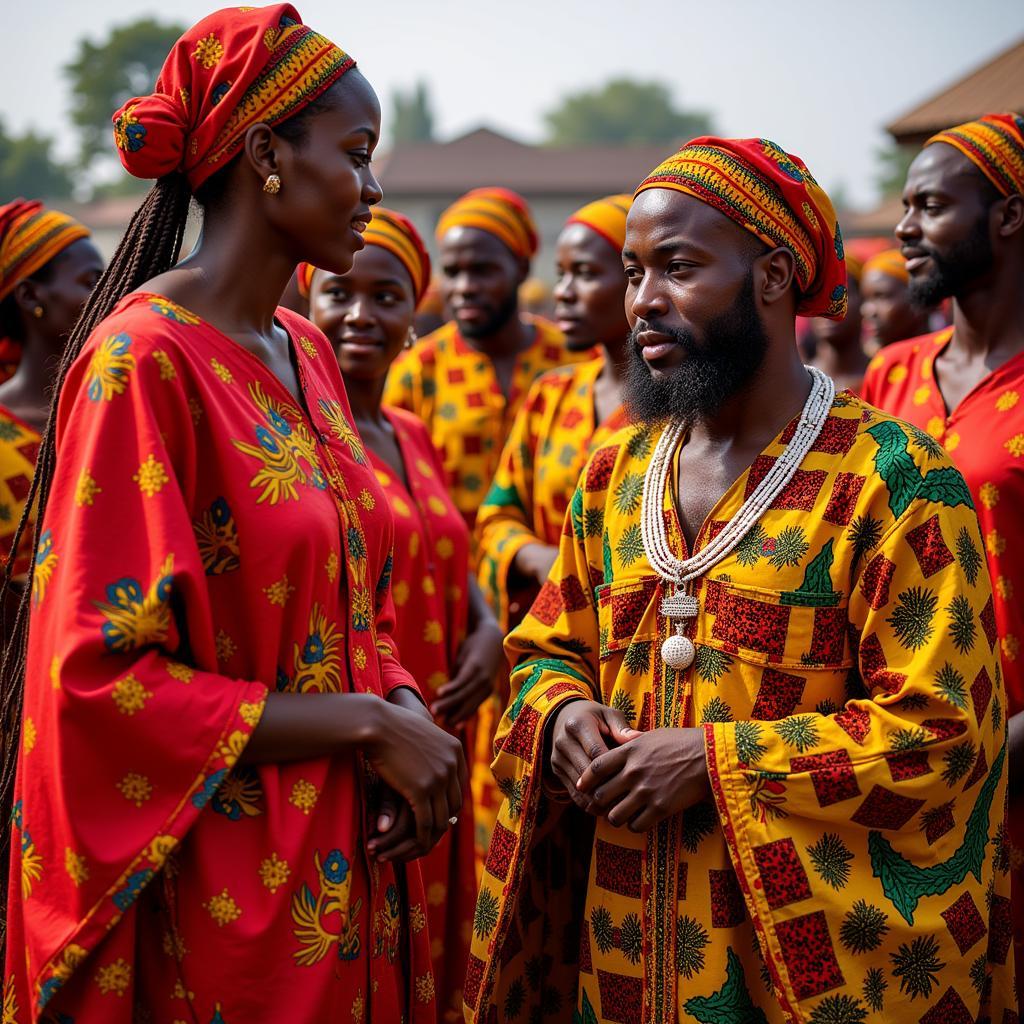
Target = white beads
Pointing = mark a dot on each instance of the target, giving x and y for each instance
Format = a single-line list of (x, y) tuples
[(678, 652)]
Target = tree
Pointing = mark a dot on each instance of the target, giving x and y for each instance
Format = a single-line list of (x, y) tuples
[(104, 75), (27, 168), (412, 116), (894, 161), (623, 111)]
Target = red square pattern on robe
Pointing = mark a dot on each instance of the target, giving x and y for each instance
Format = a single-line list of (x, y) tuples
[(809, 955), (940, 821), (875, 580), (908, 764), (756, 625), (778, 695), (855, 722), (621, 997), (950, 1009), (499, 853), (828, 641), (884, 809), (727, 907), (472, 444), (1000, 922), (782, 875), (832, 775), (474, 976), (519, 739), (800, 493), (618, 868), (981, 692), (843, 500), (964, 922), (836, 438), (599, 472), (929, 547)]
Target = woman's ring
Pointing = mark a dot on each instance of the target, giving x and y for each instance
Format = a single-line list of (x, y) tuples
[(453, 820)]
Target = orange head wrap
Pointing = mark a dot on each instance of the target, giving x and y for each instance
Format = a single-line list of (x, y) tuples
[(304, 278), (236, 68), (607, 217), (995, 145), (771, 194), (30, 236), (890, 262), (499, 211)]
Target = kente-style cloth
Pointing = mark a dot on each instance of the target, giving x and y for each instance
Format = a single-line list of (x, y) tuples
[(551, 439), (499, 211), (30, 236), (607, 217), (773, 195), (984, 435), (428, 584), (995, 145), (850, 856), (238, 67), (206, 542), (19, 449), (891, 262)]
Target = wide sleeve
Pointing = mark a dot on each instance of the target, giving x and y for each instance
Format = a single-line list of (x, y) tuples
[(504, 524), (404, 385), (128, 727), (894, 798)]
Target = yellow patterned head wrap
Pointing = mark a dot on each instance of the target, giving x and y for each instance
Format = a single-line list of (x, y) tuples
[(891, 262), (499, 211), (773, 195), (607, 217), (995, 145), (398, 234), (30, 236)]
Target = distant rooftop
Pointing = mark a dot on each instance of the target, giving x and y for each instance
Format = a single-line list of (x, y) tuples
[(994, 88), (487, 157)]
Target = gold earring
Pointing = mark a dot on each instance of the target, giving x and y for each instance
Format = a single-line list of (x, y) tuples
[(272, 185), (411, 338), (38, 312)]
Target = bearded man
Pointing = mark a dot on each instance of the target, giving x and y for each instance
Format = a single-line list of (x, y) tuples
[(754, 765)]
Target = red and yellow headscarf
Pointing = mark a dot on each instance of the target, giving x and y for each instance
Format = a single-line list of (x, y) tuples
[(995, 145), (397, 234), (236, 68), (772, 194), (499, 211), (890, 262), (607, 217), (30, 236)]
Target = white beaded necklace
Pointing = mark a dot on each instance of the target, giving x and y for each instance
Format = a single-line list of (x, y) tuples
[(678, 651)]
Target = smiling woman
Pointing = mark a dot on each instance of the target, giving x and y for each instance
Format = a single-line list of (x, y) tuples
[(210, 602)]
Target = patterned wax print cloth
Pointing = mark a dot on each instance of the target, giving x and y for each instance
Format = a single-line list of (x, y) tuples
[(848, 863), (206, 541), (19, 448)]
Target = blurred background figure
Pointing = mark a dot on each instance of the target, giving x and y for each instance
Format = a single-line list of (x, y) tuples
[(838, 349), (887, 310), (535, 297)]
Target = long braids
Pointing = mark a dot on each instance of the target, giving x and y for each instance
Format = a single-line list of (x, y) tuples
[(150, 246)]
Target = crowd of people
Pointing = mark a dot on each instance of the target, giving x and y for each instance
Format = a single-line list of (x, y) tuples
[(658, 660)]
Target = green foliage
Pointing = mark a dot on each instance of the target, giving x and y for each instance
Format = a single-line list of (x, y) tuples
[(514, 791), (839, 1010), (630, 546), (790, 547), (958, 761), (749, 747), (751, 546), (412, 116), (907, 739), (800, 731), (622, 701), (731, 1004), (691, 938), (699, 821), (575, 512), (485, 918), (711, 664), (716, 710), (962, 629), (602, 928), (874, 988), (970, 557), (586, 1015), (629, 493), (105, 74), (917, 965), (831, 859), (29, 169), (593, 521), (515, 998), (506, 497), (980, 973), (638, 657), (923, 440), (912, 618), (864, 534), (951, 686), (863, 927), (639, 444), (816, 589), (623, 112), (631, 938)]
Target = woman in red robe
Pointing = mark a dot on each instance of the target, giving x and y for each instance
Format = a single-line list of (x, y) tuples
[(221, 762), (448, 637)]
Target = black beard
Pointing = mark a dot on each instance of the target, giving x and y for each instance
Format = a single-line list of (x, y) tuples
[(712, 372), (508, 309), (955, 269)]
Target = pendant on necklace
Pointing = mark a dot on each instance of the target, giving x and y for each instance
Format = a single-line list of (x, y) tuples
[(678, 652)]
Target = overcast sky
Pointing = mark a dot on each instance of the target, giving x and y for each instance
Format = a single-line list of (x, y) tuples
[(820, 78)]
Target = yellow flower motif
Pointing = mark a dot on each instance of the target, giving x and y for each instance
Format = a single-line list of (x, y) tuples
[(425, 987), (109, 368), (130, 695), (414, 544), (429, 586), (10, 1008), (399, 505), (251, 712), (222, 371), (994, 543), (926, 366), (208, 51), (1004, 588), (436, 680), (28, 735), (115, 977), (358, 1009), (432, 633), (195, 410), (400, 593), (437, 892), (75, 866), (308, 347), (151, 476), (453, 592), (174, 946), (135, 788), (183, 94), (922, 394), (225, 646), (359, 657), (183, 673), (417, 918), (86, 489), (436, 948), (223, 909), (31, 866), (304, 795), (382, 478), (952, 442), (876, 362), (425, 467), (317, 661), (1007, 400), (436, 505), (279, 592), (274, 872), (1015, 446), (163, 360), (936, 426), (445, 548), (55, 672), (45, 566), (332, 566), (989, 495), (896, 374), (1011, 647), (366, 500)]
